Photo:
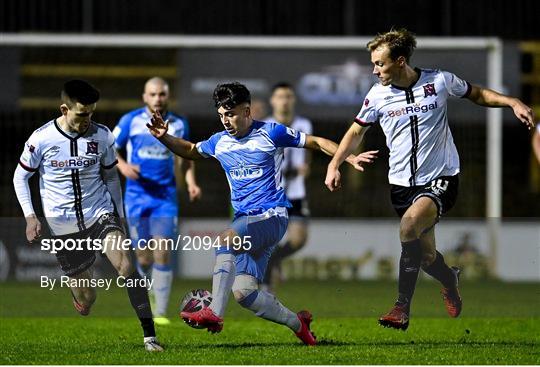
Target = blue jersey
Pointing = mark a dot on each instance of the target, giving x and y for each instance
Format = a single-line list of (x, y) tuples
[(252, 164), (156, 162)]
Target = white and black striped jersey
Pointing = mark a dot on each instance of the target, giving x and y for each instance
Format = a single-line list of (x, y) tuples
[(294, 158), (415, 122), (72, 189)]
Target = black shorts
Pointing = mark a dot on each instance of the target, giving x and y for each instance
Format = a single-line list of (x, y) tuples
[(73, 262), (299, 209), (442, 190)]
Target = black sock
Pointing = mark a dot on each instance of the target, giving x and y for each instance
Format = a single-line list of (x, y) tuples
[(440, 271), (409, 266), (138, 296), (278, 255)]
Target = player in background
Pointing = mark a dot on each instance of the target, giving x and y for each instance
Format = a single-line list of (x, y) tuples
[(250, 153), (295, 169), (410, 104), (150, 196), (536, 143), (81, 196)]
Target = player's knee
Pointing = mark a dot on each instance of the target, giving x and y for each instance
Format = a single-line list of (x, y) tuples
[(245, 289), (161, 257), (408, 229), (124, 269)]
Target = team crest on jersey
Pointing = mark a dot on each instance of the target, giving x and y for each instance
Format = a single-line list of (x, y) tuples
[(92, 147), (291, 132), (429, 90)]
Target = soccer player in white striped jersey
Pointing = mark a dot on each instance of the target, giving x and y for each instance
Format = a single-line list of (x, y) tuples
[(295, 169), (410, 104), (82, 199)]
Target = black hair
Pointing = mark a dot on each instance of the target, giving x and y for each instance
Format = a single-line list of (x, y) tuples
[(280, 85), (81, 91), (230, 95)]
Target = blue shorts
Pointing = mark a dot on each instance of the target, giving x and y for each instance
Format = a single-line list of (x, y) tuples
[(149, 216), (265, 231)]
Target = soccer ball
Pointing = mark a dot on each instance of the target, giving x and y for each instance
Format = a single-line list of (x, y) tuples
[(195, 300)]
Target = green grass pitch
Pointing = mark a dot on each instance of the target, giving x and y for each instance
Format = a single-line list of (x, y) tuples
[(500, 324)]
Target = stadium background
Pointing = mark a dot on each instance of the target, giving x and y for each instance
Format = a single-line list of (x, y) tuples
[(330, 84)]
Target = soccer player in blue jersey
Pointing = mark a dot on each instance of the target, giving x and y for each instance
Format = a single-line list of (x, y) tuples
[(150, 198), (250, 153)]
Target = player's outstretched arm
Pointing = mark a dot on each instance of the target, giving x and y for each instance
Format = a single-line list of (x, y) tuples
[(350, 141), (158, 128), (490, 98)]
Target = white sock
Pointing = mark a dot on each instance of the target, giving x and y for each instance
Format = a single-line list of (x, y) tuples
[(222, 281), (268, 307), (162, 276)]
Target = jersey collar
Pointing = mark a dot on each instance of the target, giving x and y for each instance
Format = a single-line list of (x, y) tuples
[(69, 136), (419, 72)]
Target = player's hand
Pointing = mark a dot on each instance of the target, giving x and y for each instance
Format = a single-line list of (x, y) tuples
[(33, 228), (158, 128), (363, 158), (524, 113), (195, 192), (131, 171), (333, 178)]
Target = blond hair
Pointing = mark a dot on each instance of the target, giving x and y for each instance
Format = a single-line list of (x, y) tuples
[(400, 42)]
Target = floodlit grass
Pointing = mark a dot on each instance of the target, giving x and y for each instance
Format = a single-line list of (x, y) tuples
[(500, 324)]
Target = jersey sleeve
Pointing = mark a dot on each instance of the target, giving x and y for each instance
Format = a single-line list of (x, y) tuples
[(32, 154), (207, 148), (456, 86), (108, 158), (368, 114), (283, 136), (121, 132)]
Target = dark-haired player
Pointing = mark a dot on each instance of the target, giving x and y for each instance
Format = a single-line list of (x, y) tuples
[(295, 169), (250, 153), (81, 196), (410, 106)]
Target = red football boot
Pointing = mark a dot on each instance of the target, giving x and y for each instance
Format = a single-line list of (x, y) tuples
[(203, 319), (305, 334), (451, 297), (397, 318)]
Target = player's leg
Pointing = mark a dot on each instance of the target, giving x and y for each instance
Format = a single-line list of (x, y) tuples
[(250, 268), (83, 297), (297, 233), (433, 263), (223, 276), (77, 264), (120, 259), (163, 228), (418, 218), (296, 238)]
